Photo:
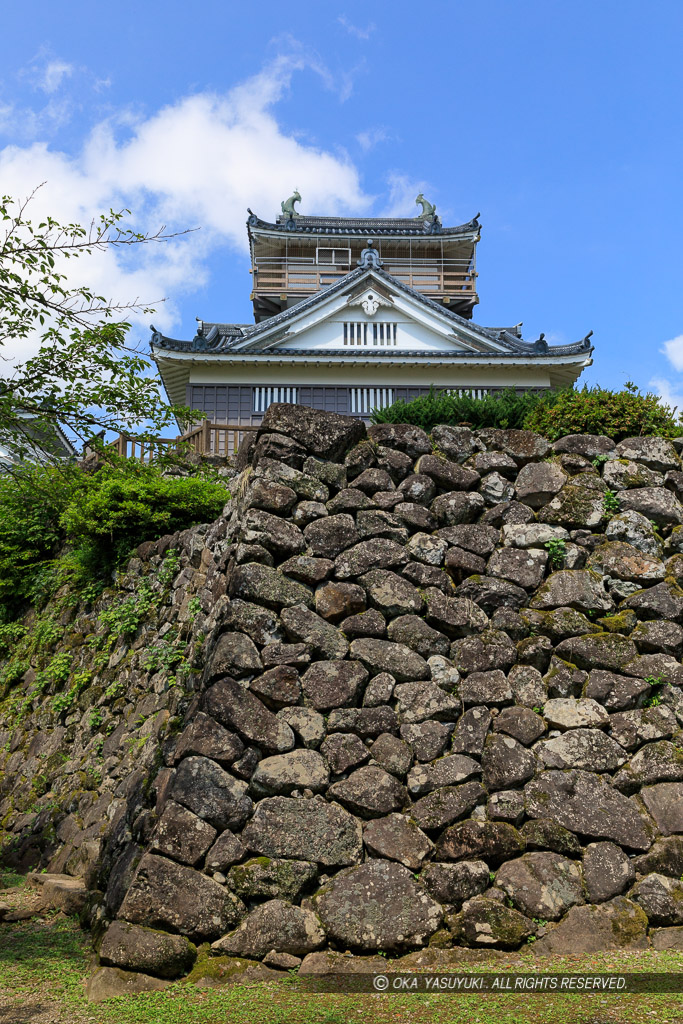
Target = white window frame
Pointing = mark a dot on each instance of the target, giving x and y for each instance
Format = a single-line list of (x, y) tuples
[(337, 258), (362, 401), (355, 334), (472, 392), (265, 396), (384, 333)]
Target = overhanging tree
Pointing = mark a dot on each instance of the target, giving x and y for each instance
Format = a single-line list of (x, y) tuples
[(84, 375)]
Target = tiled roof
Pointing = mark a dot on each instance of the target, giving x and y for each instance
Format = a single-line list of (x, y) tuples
[(370, 226), (226, 337)]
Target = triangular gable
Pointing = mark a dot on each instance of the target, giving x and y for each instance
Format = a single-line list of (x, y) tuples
[(361, 301)]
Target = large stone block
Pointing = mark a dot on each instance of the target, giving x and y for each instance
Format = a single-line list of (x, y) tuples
[(171, 897), (619, 924), (542, 885), (484, 923), (397, 659), (304, 626), (182, 835), (265, 878), (607, 871), (298, 769), (377, 905), (665, 803), (583, 802), (303, 829), (445, 805), (264, 585), (275, 925), (370, 792), (211, 793), (378, 553), (397, 837), (134, 948), (333, 684), (324, 434), (234, 655), (491, 841), (241, 710)]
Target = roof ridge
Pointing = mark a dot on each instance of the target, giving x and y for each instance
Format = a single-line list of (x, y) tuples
[(362, 225)]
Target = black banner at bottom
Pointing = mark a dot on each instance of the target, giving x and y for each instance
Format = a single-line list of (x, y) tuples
[(453, 983)]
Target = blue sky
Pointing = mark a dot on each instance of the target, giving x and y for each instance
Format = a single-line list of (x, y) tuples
[(560, 121)]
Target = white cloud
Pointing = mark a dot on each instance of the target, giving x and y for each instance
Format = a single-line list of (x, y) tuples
[(673, 350), (356, 30), (671, 391), (53, 74), (668, 392), (46, 72), (26, 124), (402, 192), (199, 162), (372, 137)]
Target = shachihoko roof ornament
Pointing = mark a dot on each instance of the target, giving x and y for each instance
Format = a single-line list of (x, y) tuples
[(428, 209), (287, 206)]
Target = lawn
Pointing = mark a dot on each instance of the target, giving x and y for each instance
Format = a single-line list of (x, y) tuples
[(44, 963)]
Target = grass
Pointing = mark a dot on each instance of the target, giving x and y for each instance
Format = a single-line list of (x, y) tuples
[(45, 962), (11, 880)]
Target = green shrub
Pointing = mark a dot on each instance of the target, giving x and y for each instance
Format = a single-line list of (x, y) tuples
[(31, 503), (101, 516), (118, 508), (594, 410), (617, 414), (507, 409)]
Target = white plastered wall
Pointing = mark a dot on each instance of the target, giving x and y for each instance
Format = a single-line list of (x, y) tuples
[(367, 374), (410, 336)]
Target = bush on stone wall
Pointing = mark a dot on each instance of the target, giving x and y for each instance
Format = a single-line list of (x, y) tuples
[(30, 507), (507, 409), (588, 410), (123, 505), (596, 410), (101, 516)]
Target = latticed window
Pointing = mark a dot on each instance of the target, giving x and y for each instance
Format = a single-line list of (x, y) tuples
[(378, 334), (384, 334), (263, 397), (333, 257), (364, 400), (355, 334), (472, 392)]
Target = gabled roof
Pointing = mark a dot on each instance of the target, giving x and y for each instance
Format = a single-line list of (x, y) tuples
[(380, 226), (229, 339), (44, 440)]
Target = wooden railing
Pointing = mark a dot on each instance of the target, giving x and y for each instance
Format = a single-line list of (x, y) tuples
[(143, 451), (438, 277), (215, 438), (205, 439)]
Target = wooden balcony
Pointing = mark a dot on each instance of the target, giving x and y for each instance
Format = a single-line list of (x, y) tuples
[(438, 279), (221, 439), (208, 439)]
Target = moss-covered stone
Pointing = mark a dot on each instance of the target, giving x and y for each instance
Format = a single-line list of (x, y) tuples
[(622, 622), (575, 507), (609, 651), (266, 878), (619, 924), (559, 623), (213, 971), (487, 922)]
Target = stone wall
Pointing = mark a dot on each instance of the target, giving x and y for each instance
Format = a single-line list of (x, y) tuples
[(438, 701)]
